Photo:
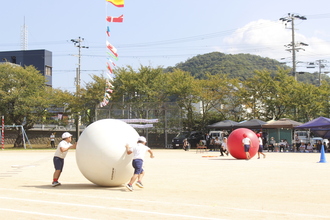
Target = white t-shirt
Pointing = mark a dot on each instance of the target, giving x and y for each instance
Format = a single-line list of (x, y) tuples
[(224, 145), (58, 152), (217, 142), (139, 151), (246, 141), (260, 140)]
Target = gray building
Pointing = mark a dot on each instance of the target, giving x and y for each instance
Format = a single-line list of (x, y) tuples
[(40, 59)]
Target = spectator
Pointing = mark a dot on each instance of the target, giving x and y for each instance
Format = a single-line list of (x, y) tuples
[(282, 145), (271, 144), (185, 144), (223, 148), (302, 147), (217, 143), (318, 145), (208, 140), (52, 140), (309, 148)]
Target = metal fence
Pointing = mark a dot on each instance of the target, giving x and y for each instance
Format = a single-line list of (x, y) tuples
[(169, 116)]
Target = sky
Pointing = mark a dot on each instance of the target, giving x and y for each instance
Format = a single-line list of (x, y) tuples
[(160, 33)]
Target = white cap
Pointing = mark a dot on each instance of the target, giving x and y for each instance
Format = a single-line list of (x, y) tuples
[(66, 135), (142, 139)]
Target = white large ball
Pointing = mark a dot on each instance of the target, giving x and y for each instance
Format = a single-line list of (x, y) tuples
[(101, 154)]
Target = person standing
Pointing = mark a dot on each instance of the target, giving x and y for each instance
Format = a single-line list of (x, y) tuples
[(139, 150), (208, 140), (217, 143), (60, 154), (52, 140), (261, 146), (223, 148), (185, 144), (247, 143)]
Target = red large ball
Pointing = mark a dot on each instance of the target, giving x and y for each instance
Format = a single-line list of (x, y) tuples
[(234, 143)]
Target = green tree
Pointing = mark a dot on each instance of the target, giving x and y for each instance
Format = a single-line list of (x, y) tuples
[(138, 87), (185, 88), (91, 96), (24, 97)]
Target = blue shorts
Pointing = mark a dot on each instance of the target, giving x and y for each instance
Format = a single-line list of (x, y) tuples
[(246, 147), (137, 164), (261, 148), (58, 163)]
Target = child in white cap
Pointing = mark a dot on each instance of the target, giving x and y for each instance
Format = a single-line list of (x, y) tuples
[(60, 153), (138, 151)]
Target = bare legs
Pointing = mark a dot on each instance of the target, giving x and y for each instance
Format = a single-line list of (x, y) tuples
[(136, 177)]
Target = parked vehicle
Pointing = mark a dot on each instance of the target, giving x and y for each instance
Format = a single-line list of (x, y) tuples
[(315, 139), (219, 134), (193, 138)]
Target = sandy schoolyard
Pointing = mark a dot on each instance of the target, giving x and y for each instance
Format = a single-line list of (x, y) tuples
[(178, 185)]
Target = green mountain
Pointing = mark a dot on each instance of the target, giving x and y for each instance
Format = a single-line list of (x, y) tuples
[(235, 65)]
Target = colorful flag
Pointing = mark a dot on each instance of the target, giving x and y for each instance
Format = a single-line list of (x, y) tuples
[(109, 67), (114, 19), (113, 56), (108, 31), (112, 48), (109, 90), (117, 3), (113, 64)]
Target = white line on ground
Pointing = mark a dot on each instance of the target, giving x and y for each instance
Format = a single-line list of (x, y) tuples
[(171, 203), (42, 214), (112, 208)]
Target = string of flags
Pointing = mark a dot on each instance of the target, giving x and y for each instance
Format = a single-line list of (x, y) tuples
[(111, 52)]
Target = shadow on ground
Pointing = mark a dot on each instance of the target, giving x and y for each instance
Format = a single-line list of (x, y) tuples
[(78, 186)]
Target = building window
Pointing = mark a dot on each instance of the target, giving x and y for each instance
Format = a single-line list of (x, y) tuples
[(48, 71)]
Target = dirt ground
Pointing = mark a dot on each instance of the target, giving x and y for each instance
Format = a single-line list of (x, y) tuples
[(178, 185)]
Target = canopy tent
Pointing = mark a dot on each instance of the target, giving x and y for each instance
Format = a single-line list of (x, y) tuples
[(282, 128), (320, 122), (226, 124), (319, 126), (282, 123), (252, 124), (321, 132)]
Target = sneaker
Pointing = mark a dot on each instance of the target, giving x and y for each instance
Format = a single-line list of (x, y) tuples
[(56, 183), (139, 184), (129, 187)]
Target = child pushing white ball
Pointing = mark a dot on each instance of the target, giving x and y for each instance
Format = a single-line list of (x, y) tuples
[(101, 153)]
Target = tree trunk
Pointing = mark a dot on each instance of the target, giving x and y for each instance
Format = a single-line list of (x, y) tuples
[(19, 139)]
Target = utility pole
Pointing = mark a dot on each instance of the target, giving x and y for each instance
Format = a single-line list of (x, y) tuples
[(77, 43), (293, 47), (321, 64)]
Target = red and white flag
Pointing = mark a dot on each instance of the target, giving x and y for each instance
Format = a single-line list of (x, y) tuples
[(115, 19), (112, 48)]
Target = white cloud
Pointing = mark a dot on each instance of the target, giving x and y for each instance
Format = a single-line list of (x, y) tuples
[(267, 39)]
